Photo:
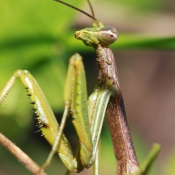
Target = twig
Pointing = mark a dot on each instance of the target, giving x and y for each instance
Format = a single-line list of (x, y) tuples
[(21, 156)]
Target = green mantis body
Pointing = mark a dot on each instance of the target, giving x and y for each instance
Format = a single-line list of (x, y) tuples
[(87, 117)]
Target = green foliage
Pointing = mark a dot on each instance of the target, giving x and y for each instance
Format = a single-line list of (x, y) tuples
[(37, 35)]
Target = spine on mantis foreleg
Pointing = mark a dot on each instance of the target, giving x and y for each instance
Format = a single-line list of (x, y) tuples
[(127, 163)]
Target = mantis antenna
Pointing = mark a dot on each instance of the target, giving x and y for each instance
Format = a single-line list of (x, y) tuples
[(91, 8), (73, 7)]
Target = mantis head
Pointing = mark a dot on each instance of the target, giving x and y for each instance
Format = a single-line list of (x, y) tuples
[(98, 33)]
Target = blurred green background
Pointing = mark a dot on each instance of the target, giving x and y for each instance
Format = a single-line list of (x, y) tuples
[(39, 36)]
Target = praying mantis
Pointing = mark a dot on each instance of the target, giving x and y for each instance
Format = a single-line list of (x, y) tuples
[(87, 117)]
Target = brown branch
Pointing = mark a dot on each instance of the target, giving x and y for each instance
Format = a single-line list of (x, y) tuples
[(21, 156)]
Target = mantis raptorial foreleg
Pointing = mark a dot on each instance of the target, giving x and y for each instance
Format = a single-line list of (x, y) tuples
[(76, 91), (88, 128), (46, 119)]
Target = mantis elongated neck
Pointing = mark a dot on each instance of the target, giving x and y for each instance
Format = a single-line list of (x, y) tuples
[(107, 65), (123, 146)]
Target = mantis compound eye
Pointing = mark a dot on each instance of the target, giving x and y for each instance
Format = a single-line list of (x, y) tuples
[(108, 34)]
